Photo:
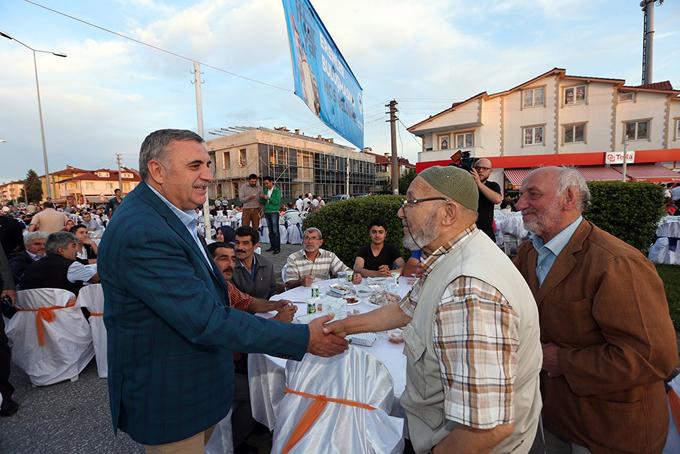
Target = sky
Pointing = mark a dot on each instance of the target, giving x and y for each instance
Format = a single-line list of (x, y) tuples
[(109, 92)]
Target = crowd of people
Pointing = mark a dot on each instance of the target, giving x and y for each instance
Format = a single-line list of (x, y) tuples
[(574, 331)]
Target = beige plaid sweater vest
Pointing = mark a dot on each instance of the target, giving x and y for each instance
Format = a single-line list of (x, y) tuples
[(475, 256)]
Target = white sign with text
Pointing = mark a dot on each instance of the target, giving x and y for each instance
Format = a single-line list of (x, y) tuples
[(616, 157)]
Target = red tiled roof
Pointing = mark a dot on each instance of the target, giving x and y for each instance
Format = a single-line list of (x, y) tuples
[(665, 85)]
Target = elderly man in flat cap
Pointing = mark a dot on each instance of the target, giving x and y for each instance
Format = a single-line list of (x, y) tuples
[(468, 320)]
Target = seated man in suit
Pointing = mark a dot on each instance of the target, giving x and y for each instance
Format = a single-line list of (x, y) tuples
[(312, 262), (59, 268), (223, 254), (254, 273), (35, 250), (378, 258)]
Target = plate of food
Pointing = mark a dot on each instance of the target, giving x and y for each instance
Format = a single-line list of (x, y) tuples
[(339, 290), (351, 300)]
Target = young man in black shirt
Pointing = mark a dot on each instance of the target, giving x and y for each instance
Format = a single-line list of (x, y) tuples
[(489, 195), (378, 258)]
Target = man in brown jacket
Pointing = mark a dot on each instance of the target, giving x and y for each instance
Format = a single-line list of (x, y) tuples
[(608, 341), (250, 194)]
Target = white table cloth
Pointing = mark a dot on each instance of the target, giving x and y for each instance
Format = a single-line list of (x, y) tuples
[(267, 376)]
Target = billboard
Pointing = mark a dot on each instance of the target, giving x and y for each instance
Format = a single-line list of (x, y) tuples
[(323, 79)]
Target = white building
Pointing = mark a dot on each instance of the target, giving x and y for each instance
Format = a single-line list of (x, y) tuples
[(561, 119)]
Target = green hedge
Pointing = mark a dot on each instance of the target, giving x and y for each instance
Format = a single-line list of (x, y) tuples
[(344, 224), (629, 211)]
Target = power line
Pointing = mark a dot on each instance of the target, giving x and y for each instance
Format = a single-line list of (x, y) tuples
[(160, 49), (410, 133)]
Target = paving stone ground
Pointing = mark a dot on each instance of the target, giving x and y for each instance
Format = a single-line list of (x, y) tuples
[(74, 417)]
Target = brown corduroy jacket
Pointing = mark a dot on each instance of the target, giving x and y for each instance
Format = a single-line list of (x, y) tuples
[(603, 304)]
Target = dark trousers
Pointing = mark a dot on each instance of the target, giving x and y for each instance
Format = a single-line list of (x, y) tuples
[(242, 422), (6, 389), (274, 232)]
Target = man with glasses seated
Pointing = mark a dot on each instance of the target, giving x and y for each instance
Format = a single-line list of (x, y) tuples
[(312, 262), (489, 195)]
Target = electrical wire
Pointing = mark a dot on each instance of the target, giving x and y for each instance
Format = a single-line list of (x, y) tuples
[(160, 49)]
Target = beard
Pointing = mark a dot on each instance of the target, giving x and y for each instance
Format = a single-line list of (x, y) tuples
[(417, 239), (543, 222)]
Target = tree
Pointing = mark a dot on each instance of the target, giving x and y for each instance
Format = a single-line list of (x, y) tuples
[(405, 181), (33, 186)]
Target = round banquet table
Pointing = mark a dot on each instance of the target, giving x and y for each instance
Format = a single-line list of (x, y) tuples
[(267, 374)]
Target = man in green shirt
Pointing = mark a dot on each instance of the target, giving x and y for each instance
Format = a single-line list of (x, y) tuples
[(271, 199)]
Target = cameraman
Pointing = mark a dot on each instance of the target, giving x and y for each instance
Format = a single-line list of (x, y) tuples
[(489, 195)]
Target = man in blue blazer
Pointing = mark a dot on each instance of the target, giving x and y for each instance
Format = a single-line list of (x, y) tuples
[(171, 333)]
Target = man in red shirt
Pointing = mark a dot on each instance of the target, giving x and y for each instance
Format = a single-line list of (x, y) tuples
[(223, 255)]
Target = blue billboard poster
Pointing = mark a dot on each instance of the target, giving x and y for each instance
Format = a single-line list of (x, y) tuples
[(323, 79)]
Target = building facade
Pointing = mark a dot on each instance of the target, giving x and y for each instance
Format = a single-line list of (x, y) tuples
[(11, 192), (561, 119), (383, 163), (77, 186), (299, 164)]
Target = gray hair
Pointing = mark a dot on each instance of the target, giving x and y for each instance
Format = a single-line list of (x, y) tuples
[(569, 177), (59, 240), (312, 230), (155, 144), (32, 236)]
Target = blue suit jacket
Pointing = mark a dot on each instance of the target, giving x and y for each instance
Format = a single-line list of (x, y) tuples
[(170, 330)]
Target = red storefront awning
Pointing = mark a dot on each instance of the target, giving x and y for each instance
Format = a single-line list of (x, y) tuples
[(600, 174), (649, 172), (517, 176)]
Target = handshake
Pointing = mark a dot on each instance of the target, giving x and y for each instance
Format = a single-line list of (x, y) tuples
[(327, 339)]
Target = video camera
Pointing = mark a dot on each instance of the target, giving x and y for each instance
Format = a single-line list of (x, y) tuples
[(463, 160)]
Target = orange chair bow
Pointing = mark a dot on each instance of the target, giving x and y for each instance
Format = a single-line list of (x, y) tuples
[(313, 412), (43, 315)]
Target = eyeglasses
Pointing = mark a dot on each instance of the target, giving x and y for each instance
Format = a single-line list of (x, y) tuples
[(408, 202), (482, 168), (309, 238)]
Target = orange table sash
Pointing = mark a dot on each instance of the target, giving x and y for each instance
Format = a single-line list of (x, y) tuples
[(96, 314), (674, 401), (313, 412), (45, 314)]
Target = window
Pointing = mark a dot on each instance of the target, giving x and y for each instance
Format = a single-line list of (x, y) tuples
[(532, 135), (575, 95), (626, 96), (226, 160), (677, 129), (637, 130), (465, 140), (127, 175), (242, 157), (443, 142), (103, 174), (533, 97), (574, 133)]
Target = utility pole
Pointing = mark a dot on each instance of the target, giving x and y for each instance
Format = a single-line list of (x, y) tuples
[(199, 129), (648, 39), (393, 133), (119, 161)]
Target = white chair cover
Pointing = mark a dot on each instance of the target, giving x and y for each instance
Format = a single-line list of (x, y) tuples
[(68, 341), (264, 231), (294, 234), (669, 226), (673, 440), (92, 297), (222, 440), (355, 375), (266, 382), (283, 234)]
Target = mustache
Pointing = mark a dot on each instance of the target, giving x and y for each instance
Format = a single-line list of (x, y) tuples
[(229, 269), (240, 251)]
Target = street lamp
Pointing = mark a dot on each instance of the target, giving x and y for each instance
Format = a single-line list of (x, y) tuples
[(37, 89)]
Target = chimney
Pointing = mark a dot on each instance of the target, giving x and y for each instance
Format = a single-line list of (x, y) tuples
[(330, 140), (297, 131)]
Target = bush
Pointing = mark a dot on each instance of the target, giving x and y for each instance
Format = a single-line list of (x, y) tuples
[(344, 224), (629, 211)]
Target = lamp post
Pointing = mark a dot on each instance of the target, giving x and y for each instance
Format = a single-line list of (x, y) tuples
[(40, 114)]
